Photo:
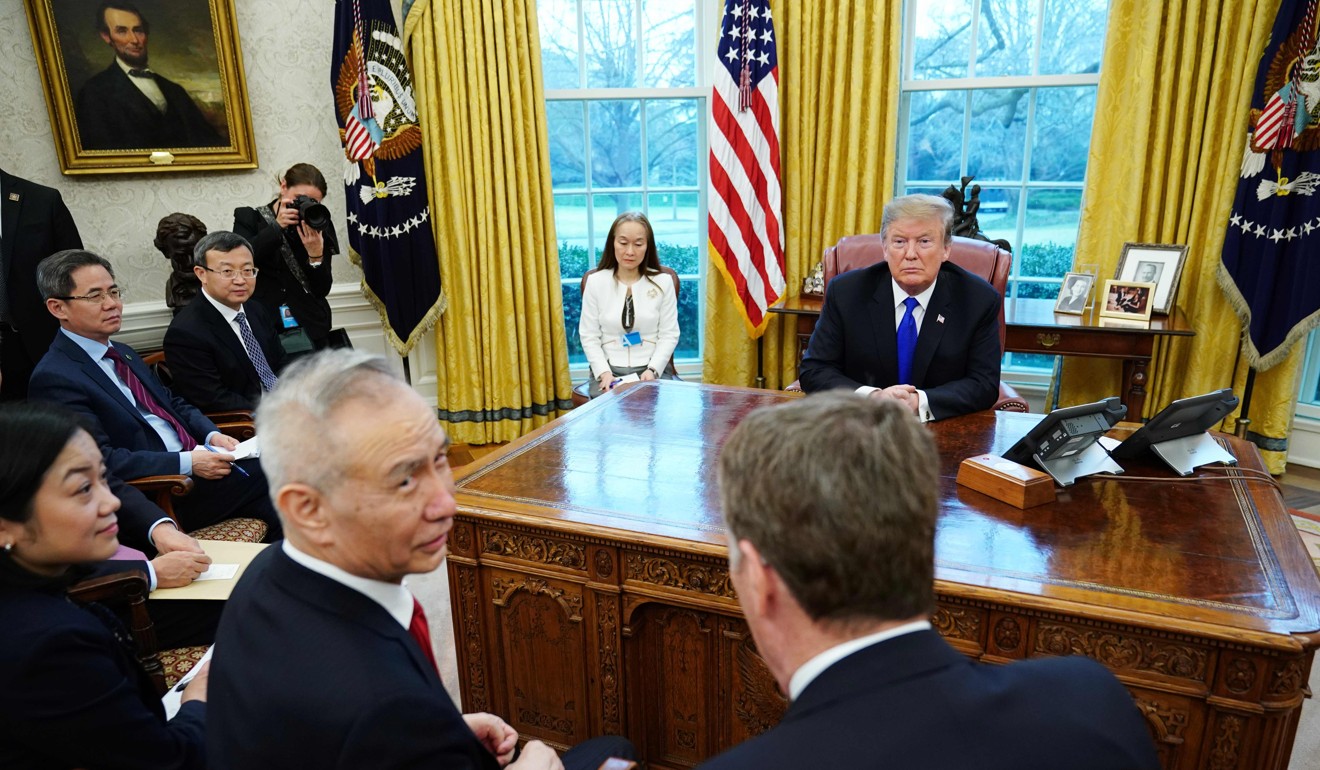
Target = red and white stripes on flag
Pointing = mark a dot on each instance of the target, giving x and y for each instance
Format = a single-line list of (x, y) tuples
[(358, 141), (745, 228)]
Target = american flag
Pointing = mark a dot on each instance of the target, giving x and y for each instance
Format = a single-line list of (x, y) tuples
[(360, 141), (746, 229)]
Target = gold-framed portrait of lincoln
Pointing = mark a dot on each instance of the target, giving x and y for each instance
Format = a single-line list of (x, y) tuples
[(143, 85)]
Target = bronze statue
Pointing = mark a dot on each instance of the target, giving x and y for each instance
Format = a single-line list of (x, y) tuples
[(176, 234), (965, 205)]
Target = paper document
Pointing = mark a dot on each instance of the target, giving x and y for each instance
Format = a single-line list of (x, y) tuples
[(218, 572), (246, 449), (173, 699)]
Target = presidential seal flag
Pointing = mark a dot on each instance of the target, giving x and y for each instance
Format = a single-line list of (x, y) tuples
[(389, 219), (745, 224), (1271, 260)]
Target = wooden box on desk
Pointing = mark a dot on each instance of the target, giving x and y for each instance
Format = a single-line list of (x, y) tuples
[(1006, 481)]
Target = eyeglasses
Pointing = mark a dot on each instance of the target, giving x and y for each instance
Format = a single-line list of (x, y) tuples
[(98, 297), (230, 274)]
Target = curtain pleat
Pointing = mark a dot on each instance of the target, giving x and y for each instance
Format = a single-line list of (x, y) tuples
[(838, 92), (1170, 127), (501, 351)]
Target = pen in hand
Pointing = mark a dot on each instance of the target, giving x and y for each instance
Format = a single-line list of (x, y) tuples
[(235, 466)]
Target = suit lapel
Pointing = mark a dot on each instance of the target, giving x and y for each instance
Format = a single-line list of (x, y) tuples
[(222, 331), (932, 328), (881, 309), (93, 371)]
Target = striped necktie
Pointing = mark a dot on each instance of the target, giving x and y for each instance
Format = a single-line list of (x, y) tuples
[(256, 354), (146, 401)]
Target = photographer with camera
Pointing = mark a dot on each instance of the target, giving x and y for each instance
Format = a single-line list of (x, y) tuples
[(293, 241)]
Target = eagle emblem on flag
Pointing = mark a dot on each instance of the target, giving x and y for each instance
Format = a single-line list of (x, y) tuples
[(374, 99)]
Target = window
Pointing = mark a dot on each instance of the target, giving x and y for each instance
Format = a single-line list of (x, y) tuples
[(1004, 91), (626, 90), (1308, 398)]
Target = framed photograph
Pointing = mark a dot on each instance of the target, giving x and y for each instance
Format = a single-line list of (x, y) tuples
[(1129, 300), (1074, 293), (147, 86), (1153, 263)]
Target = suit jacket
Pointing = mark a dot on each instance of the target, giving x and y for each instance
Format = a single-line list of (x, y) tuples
[(67, 375), (956, 361), (113, 114), (210, 367), (310, 673), (914, 701), (72, 694), (277, 285), (35, 224)]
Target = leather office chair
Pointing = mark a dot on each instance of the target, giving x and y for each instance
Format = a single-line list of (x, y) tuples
[(580, 392), (980, 258)]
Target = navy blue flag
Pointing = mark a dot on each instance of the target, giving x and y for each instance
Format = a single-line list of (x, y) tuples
[(1271, 260), (389, 220)]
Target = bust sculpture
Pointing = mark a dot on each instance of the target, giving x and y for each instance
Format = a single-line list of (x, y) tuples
[(176, 234)]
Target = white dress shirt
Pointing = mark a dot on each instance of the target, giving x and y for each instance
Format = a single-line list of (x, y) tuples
[(393, 597), (918, 315), (148, 86), (807, 672)]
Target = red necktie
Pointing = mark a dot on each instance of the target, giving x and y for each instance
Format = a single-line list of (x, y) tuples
[(145, 399), (422, 633)]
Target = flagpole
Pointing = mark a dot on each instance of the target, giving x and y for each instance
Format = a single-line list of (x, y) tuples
[(1242, 421), (760, 353), (407, 372)]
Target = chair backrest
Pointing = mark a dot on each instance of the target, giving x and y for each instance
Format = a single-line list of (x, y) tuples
[(128, 588), (980, 258), (678, 285)]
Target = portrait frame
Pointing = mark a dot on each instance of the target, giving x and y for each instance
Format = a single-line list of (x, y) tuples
[(1062, 304), (192, 52), (1114, 303), (1160, 264)]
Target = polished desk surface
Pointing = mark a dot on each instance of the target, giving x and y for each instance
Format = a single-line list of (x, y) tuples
[(1216, 556)]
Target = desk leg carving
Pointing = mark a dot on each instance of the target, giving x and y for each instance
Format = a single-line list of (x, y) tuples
[(465, 596), (1134, 378)]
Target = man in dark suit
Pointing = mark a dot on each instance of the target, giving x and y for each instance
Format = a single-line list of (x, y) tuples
[(129, 107), (831, 549), (915, 327), (34, 223), (142, 428), (360, 686), (221, 349)]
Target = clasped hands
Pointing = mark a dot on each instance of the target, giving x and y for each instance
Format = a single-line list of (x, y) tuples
[(904, 394), (500, 739), (180, 558)]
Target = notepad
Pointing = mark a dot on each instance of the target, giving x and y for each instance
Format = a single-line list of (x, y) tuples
[(246, 449), (218, 572)]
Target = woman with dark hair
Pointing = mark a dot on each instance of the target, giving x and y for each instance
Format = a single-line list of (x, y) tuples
[(71, 691), (629, 322), (293, 257)]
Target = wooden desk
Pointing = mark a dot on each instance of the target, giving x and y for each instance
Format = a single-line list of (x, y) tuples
[(1034, 327), (591, 593)]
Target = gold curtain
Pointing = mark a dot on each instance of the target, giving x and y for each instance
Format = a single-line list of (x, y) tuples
[(1170, 127), (502, 358), (838, 107)]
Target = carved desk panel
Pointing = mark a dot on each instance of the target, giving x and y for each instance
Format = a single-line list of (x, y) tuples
[(591, 591)]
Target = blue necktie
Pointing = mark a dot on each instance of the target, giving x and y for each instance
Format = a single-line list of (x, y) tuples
[(907, 341), (256, 354)]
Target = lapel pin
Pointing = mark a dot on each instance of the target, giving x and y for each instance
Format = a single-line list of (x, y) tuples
[(939, 319), (14, 196)]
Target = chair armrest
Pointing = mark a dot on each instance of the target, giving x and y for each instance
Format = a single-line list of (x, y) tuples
[(238, 424), (1009, 400), (163, 489), (129, 587)]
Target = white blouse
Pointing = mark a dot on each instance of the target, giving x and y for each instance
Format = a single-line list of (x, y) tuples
[(655, 317)]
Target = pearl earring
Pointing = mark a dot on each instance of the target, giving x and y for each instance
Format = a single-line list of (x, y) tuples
[(9, 547)]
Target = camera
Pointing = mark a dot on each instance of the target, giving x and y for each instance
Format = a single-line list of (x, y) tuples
[(316, 215)]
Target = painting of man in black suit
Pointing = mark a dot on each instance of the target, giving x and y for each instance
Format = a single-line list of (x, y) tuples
[(128, 105)]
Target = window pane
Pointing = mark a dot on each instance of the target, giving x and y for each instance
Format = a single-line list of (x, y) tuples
[(671, 142), (997, 215), (935, 123), (943, 35), (572, 314), (604, 209), (670, 44), (1073, 36), (611, 48), (568, 144), (575, 249), (997, 139), (674, 218), (1005, 39), (559, 42), (1310, 390), (616, 143), (1050, 235), (689, 325), (1062, 134)]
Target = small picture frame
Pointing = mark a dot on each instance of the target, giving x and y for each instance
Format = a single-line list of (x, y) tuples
[(1129, 300), (1153, 263), (1074, 293)]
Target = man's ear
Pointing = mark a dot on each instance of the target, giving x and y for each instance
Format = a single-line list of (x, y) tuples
[(759, 583), (303, 508), (57, 308)]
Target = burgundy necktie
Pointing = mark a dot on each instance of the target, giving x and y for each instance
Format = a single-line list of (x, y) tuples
[(145, 400), (422, 633)]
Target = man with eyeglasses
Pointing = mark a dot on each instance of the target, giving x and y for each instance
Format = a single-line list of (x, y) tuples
[(222, 350), (915, 328), (142, 428)]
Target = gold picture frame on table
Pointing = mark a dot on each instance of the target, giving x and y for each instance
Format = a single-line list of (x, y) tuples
[(1128, 300), (145, 86)]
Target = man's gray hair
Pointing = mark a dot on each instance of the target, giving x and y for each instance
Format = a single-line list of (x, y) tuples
[(919, 206), (222, 241), (55, 273), (299, 442), (838, 493)]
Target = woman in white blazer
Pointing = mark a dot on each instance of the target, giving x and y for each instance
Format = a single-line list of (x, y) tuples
[(629, 322)]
